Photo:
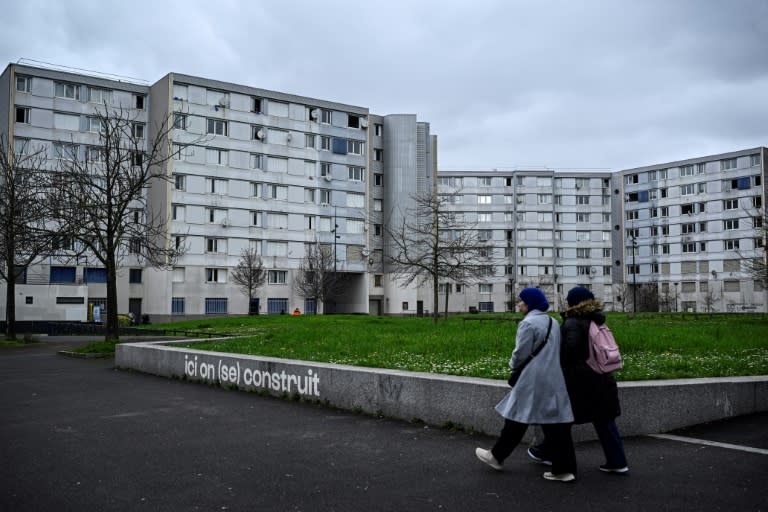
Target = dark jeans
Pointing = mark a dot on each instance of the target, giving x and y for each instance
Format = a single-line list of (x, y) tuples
[(613, 447), (558, 437), (610, 440)]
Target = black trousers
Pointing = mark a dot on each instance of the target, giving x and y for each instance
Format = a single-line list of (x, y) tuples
[(559, 442)]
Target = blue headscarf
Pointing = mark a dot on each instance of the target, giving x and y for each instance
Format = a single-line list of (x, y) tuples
[(534, 299)]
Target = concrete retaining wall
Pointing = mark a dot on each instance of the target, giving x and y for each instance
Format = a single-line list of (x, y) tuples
[(648, 406)]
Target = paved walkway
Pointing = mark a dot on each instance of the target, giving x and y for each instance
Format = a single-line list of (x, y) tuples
[(78, 435)]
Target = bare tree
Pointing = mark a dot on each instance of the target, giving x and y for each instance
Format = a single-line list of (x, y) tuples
[(102, 197), (317, 277), (23, 215), (755, 262), (249, 274), (431, 244)]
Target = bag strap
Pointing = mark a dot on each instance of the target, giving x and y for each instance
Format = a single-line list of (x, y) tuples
[(546, 338), (538, 349)]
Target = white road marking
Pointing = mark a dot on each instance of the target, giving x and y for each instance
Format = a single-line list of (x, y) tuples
[(710, 443)]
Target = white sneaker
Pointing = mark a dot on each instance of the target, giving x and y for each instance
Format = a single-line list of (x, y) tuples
[(487, 457), (560, 477)]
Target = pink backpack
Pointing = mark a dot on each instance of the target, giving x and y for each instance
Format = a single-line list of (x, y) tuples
[(604, 356)]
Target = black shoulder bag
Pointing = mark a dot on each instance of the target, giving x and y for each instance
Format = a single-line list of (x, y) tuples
[(517, 371)]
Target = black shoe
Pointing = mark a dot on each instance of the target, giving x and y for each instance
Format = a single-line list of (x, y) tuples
[(605, 468), (536, 455)]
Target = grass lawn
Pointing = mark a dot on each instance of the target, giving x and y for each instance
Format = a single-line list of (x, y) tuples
[(654, 346)]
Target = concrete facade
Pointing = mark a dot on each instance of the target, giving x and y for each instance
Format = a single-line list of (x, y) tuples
[(273, 171), (648, 407)]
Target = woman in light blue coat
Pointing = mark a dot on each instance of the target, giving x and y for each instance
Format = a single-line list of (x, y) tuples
[(540, 396)]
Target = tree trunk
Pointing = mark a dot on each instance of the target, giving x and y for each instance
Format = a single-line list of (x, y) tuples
[(10, 303), (112, 324), (446, 302)]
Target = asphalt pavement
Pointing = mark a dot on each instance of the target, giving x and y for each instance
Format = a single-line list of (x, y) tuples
[(77, 434)]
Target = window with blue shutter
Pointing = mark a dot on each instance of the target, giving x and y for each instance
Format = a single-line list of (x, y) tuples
[(339, 146)]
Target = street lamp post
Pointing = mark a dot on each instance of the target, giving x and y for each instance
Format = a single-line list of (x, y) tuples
[(634, 275)]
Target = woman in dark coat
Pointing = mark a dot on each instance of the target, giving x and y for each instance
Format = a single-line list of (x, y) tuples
[(594, 396)]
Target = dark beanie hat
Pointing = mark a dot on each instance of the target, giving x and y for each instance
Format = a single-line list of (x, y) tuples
[(534, 299), (578, 295)]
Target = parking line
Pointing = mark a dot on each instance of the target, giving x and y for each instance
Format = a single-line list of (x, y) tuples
[(710, 443)]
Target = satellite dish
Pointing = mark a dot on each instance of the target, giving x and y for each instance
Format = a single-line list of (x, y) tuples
[(260, 134), (365, 253), (314, 113), (364, 123)]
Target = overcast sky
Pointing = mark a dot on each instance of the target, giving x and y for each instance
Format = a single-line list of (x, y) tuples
[(503, 83)]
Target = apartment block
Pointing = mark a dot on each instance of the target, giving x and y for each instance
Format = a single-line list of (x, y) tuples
[(685, 229), (259, 169), (274, 172)]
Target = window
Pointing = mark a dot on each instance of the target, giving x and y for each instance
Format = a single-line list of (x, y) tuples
[(731, 245), (23, 83), (215, 275), (485, 235), (137, 130), (215, 186), (95, 275), (355, 147), (177, 305), (545, 198), (630, 179), (178, 212), (95, 125), (356, 200), (216, 215), (256, 219), (277, 221), (215, 306), (22, 115), (65, 151), (687, 190), (378, 129), (753, 159), (309, 140), (583, 253), (134, 275), (69, 91), (582, 218), (689, 247), (217, 127), (484, 217), (633, 269), (727, 164), (485, 288), (355, 226), (325, 116), (309, 195), (62, 275), (582, 199), (325, 196), (179, 181), (276, 276), (353, 121), (484, 181), (180, 121), (378, 179), (634, 214), (378, 155), (139, 101), (66, 121), (378, 229), (325, 143), (582, 236), (217, 156), (134, 245), (450, 181), (484, 199), (216, 245), (99, 95), (356, 173), (277, 192), (378, 205), (256, 105), (688, 228), (686, 170), (730, 224)]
